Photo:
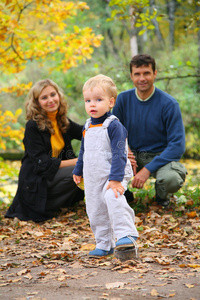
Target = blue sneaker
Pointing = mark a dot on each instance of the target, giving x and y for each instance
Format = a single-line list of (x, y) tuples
[(126, 242), (99, 252)]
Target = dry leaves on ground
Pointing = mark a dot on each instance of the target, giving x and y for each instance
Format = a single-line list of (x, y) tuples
[(169, 250)]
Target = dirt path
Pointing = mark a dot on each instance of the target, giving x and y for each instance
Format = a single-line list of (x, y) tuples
[(49, 261)]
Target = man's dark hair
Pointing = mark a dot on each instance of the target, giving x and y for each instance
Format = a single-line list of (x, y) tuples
[(142, 60)]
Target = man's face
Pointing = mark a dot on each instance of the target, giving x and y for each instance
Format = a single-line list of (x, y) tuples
[(143, 78)]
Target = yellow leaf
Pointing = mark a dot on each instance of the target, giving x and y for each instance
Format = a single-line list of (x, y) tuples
[(189, 285), (154, 293), (87, 247), (8, 114), (193, 266)]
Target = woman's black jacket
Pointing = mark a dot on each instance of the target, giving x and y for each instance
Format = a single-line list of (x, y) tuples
[(37, 167)]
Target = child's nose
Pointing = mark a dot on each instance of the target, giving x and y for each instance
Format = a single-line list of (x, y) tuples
[(92, 103)]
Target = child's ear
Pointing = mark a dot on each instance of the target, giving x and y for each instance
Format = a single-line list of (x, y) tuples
[(112, 102)]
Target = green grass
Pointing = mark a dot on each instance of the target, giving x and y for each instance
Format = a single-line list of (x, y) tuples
[(188, 196)]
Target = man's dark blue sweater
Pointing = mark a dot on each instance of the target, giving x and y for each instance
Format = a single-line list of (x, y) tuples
[(154, 125)]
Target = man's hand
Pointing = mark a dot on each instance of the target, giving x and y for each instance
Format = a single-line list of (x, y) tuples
[(140, 178), (132, 160), (116, 186)]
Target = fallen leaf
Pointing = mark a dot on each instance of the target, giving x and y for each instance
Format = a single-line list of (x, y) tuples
[(125, 270), (162, 261), (22, 272), (32, 293), (154, 293), (28, 276), (192, 214), (76, 265), (190, 202), (38, 234), (182, 266), (87, 247), (189, 285), (3, 237), (66, 247), (194, 266), (4, 284), (16, 280), (114, 285)]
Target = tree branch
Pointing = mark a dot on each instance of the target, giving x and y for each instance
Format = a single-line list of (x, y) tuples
[(178, 77)]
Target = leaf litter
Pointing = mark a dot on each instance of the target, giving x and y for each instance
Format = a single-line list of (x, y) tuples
[(50, 260), (57, 250)]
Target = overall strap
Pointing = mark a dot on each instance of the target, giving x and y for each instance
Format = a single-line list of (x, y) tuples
[(87, 123), (107, 121)]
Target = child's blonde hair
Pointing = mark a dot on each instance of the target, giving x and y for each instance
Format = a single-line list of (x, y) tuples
[(103, 81)]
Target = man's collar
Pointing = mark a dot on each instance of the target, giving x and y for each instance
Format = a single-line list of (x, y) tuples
[(146, 98)]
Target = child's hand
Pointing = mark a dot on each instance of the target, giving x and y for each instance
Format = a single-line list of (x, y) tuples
[(77, 179), (116, 186)]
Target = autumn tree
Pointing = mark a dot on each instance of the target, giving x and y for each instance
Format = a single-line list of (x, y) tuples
[(140, 16), (37, 30)]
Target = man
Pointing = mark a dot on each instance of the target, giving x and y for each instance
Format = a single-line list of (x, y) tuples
[(156, 133)]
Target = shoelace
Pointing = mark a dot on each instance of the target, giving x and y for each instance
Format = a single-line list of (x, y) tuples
[(135, 244)]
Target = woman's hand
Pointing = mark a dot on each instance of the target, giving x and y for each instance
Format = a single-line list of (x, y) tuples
[(116, 186)]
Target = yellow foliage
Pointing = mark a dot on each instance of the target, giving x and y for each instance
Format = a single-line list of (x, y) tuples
[(8, 114), (20, 89), (6, 131), (37, 29)]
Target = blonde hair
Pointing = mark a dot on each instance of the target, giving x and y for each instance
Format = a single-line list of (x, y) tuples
[(35, 112), (103, 81)]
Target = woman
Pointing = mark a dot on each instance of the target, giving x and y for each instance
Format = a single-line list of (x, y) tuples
[(45, 179)]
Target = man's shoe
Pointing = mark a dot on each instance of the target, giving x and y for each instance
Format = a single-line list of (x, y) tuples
[(99, 252), (162, 202)]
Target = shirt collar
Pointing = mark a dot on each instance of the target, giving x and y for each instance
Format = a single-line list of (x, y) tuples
[(146, 98)]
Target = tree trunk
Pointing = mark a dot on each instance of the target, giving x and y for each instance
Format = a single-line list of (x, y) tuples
[(155, 23), (133, 36), (115, 50), (198, 70), (171, 8)]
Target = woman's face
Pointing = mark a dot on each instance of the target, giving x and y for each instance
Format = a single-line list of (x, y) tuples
[(49, 99)]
